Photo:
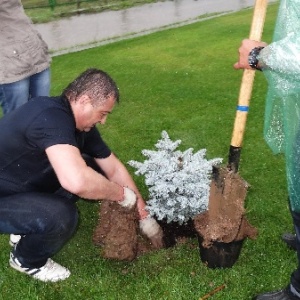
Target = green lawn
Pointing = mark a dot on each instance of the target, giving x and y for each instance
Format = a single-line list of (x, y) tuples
[(182, 81)]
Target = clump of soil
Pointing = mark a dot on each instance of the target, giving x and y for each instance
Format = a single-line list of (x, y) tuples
[(225, 219), (118, 234)]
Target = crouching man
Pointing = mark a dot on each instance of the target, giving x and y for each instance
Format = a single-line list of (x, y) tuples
[(43, 173)]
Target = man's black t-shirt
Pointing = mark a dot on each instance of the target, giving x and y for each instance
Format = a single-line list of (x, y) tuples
[(26, 132)]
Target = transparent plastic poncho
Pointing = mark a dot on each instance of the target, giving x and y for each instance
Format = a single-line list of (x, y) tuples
[(282, 116)]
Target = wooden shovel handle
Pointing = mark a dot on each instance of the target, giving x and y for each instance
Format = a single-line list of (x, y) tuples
[(256, 30), (248, 76)]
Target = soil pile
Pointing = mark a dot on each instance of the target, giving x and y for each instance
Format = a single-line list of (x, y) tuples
[(225, 220), (118, 234)]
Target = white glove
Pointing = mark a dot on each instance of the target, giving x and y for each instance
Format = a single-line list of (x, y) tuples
[(129, 198), (149, 227)]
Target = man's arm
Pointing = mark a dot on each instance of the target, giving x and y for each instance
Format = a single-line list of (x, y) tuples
[(244, 51), (76, 177), (116, 172), (281, 56)]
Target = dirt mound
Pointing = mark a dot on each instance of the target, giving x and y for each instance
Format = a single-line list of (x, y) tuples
[(118, 234), (225, 219)]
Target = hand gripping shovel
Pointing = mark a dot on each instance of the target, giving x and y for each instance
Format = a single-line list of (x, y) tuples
[(225, 221)]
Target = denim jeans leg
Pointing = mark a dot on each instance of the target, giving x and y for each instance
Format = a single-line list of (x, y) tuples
[(14, 95), (40, 84), (48, 221)]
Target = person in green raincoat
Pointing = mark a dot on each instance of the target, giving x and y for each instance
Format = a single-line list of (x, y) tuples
[(280, 63)]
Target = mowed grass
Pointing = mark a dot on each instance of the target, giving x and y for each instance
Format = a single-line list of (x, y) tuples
[(182, 81)]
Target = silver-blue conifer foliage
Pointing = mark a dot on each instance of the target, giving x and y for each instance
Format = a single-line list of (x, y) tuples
[(179, 182)]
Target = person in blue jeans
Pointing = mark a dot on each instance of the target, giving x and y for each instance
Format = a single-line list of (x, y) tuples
[(44, 171), (24, 58)]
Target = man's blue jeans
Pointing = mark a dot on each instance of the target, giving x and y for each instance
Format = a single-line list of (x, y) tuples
[(13, 95), (46, 220)]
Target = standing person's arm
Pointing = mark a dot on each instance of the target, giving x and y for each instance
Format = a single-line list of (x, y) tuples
[(244, 52), (282, 56)]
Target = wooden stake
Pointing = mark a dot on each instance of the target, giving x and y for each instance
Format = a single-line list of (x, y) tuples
[(219, 288)]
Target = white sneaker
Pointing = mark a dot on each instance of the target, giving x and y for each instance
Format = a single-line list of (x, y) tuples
[(14, 239), (51, 271)]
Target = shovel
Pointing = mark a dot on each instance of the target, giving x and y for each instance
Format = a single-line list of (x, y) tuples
[(245, 90), (225, 221)]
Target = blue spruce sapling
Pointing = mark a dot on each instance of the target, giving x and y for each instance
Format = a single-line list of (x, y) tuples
[(179, 182)]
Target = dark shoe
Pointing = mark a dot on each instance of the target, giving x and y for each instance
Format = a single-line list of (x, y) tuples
[(290, 240), (284, 294)]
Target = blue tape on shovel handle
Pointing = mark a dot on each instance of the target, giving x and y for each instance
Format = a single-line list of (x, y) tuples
[(242, 108)]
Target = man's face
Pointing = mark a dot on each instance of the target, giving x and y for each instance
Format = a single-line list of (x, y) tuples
[(87, 115)]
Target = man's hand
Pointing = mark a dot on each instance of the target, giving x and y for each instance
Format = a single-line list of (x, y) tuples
[(150, 228), (244, 50), (129, 200)]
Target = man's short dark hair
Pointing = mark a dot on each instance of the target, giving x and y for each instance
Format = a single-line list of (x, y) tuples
[(96, 84)]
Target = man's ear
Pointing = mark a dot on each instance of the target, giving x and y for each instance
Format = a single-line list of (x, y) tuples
[(84, 99)]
